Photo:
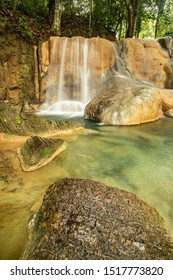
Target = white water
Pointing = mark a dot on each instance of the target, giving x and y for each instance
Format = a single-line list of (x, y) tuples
[(71, 80), (85, 74), (60, 95)]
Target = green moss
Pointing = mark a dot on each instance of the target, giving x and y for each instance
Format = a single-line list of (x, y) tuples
[(30, 124), (18, 121)]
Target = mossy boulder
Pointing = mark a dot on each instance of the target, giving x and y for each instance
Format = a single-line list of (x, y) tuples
[(13, 122), (38, 151), (83, 219)]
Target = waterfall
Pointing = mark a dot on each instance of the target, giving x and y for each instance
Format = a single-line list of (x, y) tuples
[(76, 70)]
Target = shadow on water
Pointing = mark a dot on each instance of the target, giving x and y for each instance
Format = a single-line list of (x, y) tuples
[(135, 158)]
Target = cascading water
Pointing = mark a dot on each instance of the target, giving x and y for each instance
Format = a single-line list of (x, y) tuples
[(77, 69)]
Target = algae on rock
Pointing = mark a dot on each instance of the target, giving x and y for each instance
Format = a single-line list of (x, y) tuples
[(38, 151), (28, 124)]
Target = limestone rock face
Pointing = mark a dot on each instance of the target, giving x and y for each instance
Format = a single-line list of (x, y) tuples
[(82, 219), (125, 101), (167, 44), (146, 60), (103, 59), (38, 151), (17, 71), (74, 54)]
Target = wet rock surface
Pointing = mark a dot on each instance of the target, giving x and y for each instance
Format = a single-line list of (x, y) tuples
[(83, 219), (125, 101), (38, 151), (14, 122)]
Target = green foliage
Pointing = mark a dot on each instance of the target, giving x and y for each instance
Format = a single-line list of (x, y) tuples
[(89, 17), (5, 120), (18, 121), (166, 22), (27, 18), (21, 27), (3, 22), (33, 7)]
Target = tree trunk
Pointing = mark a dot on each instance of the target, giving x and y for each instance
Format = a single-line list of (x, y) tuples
[(90, 18), (132, 13), (55, 16), (51, 7), (160, 9), (157, 24)]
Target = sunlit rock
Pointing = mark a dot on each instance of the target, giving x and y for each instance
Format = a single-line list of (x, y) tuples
[(83, 219), (125, 101), (146, 60), (169, 113), (167, 99)]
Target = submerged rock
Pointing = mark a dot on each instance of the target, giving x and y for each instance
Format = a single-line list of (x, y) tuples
[(84, 219), (125, 101), (38, 151)]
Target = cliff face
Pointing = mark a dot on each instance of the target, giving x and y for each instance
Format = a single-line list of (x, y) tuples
[(144, 60), (73, 67), (24, 68), (147, 61), (17, 71)]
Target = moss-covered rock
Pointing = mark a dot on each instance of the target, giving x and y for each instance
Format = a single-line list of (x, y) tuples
[(83, 219), (28, 124), (38, 151)]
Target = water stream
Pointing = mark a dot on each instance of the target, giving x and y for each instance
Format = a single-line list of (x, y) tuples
[(135, 158), (77, 68)]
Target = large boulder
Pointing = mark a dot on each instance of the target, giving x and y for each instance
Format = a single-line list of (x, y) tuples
[(167, 99), (83, 219), (125, 101)]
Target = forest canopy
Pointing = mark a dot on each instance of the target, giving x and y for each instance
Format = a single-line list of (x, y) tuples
[(105, 18)]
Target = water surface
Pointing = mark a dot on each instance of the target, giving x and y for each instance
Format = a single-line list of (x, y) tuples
[(134, 158)]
